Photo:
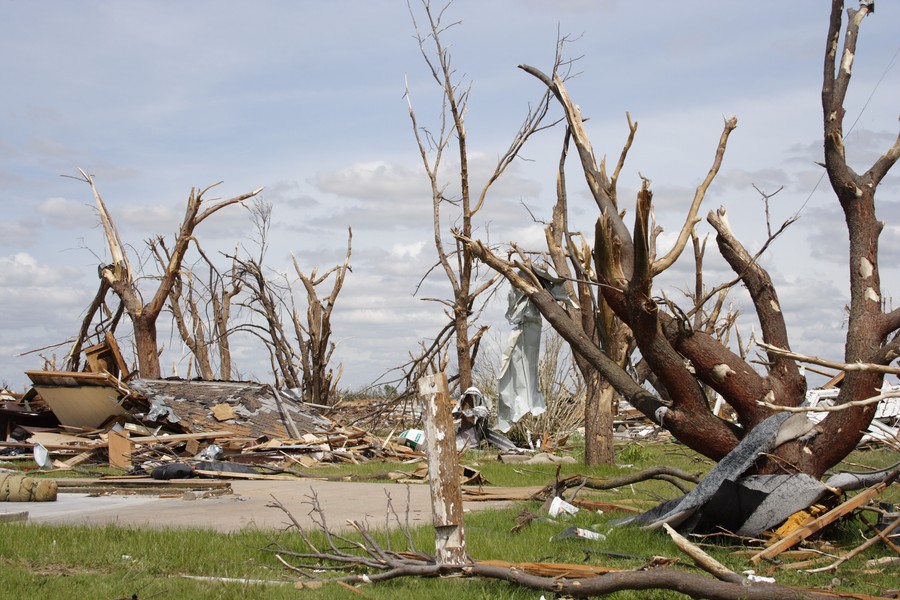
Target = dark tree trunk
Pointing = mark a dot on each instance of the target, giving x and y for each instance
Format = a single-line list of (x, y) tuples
[(146, 347)]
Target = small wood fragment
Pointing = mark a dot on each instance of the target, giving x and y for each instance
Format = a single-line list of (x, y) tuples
[(223, 412), (120, 449)]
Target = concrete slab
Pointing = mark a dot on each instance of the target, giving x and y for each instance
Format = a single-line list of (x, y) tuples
[(248, 507)]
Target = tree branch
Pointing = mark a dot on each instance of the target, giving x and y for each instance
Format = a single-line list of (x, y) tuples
[(692, 219), (841, 366)]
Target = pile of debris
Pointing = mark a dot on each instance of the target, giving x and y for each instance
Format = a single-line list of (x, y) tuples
[(70, 418)]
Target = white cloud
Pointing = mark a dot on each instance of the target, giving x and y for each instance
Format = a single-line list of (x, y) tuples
[(412, 250), (67, 214), (376, 181), (22, 270)]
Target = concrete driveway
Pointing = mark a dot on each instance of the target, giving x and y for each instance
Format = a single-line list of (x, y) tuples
[(249, 506)]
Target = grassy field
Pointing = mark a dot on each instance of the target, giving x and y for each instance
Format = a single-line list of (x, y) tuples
[(63, 563)]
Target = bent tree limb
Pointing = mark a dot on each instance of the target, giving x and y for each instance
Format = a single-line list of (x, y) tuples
[(662, 472)]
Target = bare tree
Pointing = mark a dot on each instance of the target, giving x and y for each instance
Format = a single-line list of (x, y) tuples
[(683, 358), (300, 358), (569, 255), (123, 281), (222, 289), (201, 310), (186, 313), (457, 262), (314, 336), (265, 298)]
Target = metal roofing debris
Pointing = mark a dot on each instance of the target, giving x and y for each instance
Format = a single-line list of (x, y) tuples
[(256, 409)]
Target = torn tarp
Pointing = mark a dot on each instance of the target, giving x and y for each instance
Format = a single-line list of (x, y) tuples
[(518, 386)]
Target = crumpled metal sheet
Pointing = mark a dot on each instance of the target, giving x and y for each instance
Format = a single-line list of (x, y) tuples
[(784, 495), (675, 512), (518, 385)]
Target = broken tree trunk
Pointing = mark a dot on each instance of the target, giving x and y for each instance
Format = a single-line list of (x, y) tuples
[(443, 472)]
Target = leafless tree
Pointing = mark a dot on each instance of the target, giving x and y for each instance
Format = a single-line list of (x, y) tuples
[(124, 281), (300, 350), (456, 261), (314, 335), (265, 296), (683, 358), (201, 310)]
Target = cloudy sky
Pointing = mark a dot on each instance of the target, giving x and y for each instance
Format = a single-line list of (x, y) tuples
[(307, 100)]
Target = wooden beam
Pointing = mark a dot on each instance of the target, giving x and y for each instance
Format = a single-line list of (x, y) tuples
[(181, 437)]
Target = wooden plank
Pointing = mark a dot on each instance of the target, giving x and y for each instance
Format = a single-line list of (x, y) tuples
[(121, 365), (120, 449), (71, 378), (260, 476), (138, 482), (54, 447), (604, 506), (180, 437), (50, 438)]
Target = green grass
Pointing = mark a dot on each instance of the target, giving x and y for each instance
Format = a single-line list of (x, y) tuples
[(71, 562)]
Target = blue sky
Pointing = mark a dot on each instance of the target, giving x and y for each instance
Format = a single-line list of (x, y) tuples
[(307, 100)]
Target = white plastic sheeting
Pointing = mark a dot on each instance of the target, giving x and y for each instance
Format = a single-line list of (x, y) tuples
[(518, 386)]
